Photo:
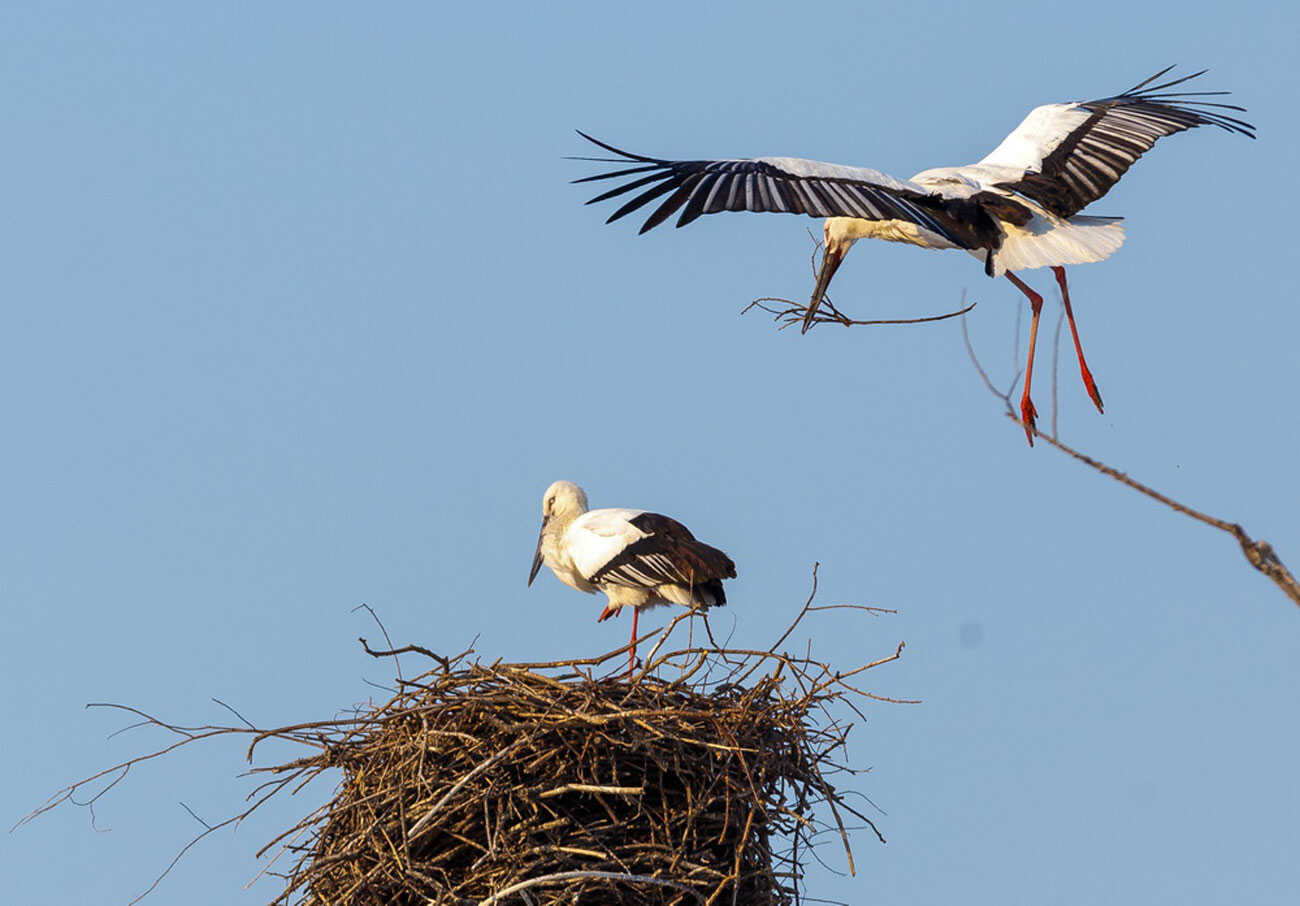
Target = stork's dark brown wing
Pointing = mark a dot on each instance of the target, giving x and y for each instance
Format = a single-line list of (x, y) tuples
[(669, 554)]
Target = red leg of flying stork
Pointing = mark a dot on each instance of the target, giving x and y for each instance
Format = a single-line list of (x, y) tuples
[(1027, 411), (1088, 382)]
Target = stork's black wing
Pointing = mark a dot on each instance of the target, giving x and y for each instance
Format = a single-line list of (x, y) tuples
[(1069, 155), (780, 184)]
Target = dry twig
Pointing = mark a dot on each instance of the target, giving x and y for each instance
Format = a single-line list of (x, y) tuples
[(1259, 554), (788, 313)]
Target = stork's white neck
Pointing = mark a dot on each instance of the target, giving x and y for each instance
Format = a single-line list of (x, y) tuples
[(556, 556), (840, 230)]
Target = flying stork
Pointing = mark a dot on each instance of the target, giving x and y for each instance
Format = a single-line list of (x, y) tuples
[(1017, 209), (638, 559)]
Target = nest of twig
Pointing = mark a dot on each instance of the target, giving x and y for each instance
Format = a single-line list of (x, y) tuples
[(490, 778), (702, 778)]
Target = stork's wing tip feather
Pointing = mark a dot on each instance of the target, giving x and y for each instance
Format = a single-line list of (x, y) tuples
[(1188, 101), (628, 155), (1149, 79)]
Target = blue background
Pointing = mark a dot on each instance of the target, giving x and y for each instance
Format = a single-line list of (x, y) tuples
[(300, 313)]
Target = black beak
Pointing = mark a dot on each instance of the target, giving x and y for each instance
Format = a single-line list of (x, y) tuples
[(830, 263), (537, 557)]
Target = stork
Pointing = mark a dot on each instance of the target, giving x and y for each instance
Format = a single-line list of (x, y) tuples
[(638, 559), (1016, 210)]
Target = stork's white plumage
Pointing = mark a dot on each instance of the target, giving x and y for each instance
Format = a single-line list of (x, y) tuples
[(636, 558), (1017, 209)]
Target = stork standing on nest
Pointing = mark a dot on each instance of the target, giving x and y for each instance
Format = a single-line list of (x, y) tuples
[(638, 559), (1017, 209)]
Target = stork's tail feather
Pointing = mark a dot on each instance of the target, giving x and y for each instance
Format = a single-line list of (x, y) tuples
[(1079, 240), (711, 593)]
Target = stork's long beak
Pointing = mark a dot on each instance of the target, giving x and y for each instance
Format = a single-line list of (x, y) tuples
[(830, 263), (537, 557)]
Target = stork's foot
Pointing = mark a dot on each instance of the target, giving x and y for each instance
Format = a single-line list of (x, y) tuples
[(1028, 414), (607, 613), (1091, 386)]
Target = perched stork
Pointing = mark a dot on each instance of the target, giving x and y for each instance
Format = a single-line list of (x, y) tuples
[(637, 559), (1017, 209)]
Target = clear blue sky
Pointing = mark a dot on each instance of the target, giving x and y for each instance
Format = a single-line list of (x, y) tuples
[(300, 313)]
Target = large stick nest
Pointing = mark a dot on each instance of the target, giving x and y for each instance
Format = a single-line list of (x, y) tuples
[(703, 777)]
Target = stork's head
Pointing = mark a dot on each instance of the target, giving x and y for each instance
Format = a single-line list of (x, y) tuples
[(563, 502), (838, 236), (563, 498)]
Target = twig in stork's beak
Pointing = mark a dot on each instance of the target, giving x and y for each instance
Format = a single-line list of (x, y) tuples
[(537, 557), (830, 263)]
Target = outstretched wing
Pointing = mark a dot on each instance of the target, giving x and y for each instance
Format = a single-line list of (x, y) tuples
[(782, 184), (1069, 155), (667, 553)]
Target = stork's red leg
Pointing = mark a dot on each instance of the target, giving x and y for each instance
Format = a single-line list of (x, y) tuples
[(631, 655), (1088, 382), (1027, 411)]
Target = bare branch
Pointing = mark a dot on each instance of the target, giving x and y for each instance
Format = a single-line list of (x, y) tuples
[(393, 652), (380, 623), (1056, 370), (244, 719), (789, 313), (1259, 554), (195, 816)]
